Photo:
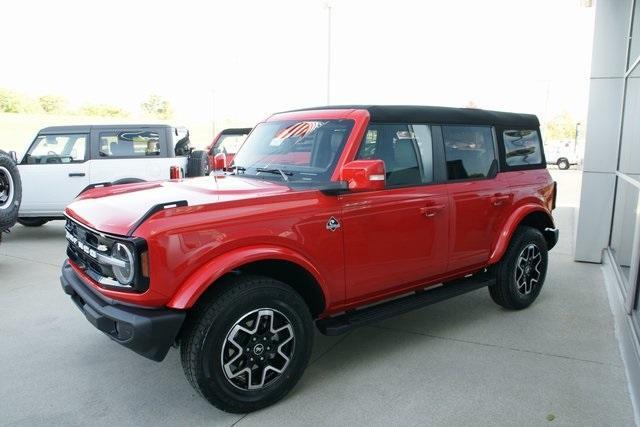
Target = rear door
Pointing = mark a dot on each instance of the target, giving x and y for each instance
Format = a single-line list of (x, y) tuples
[(53, 172), (396, 237), (479, 200), (139, 153)]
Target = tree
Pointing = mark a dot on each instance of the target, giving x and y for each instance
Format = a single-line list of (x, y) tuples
[(14, 102), (562, 126), (157, 107), (52, 103), (103, 110)]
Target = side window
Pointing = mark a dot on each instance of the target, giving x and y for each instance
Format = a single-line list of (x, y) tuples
[(130, 143), (469, 151), (52, 149), (522, 147), (396, 145), (229, 144)]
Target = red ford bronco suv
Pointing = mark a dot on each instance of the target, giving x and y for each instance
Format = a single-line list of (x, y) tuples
[(339, 215)]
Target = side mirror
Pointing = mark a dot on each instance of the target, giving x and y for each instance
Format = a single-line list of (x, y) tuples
[(364, 175), (14, 156), (219, 161), (229, 158)]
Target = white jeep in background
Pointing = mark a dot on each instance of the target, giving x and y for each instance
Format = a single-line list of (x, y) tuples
[(563, 154), (63, 161)]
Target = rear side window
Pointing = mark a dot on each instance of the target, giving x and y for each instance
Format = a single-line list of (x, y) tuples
[(522, 148), (406, 150), (469, 151), (130, 143)]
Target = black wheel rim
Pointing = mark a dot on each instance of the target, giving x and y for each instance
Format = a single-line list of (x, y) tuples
[(6, 188), (257, 349), (528, 269)]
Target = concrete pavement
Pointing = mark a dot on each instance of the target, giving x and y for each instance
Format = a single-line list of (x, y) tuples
[(464, 361)]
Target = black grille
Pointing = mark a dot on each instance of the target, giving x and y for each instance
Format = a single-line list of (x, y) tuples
[(83, 248), (93, 241)]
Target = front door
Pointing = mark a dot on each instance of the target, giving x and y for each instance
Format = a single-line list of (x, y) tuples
[(53, 172), (397, 237)]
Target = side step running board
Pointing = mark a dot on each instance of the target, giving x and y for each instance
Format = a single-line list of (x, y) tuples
[(342, 323)]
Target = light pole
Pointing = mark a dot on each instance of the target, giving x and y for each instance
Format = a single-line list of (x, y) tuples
[(213, 113), (328, 6)]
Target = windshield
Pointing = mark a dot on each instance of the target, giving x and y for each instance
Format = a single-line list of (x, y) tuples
[(302, 151)]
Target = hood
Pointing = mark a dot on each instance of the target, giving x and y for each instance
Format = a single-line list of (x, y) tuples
[(116, 209)]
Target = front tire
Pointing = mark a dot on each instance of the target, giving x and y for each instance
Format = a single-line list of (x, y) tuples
[(247, 345), (522, 270)]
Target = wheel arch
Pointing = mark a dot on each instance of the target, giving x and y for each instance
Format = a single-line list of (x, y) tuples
[(529, 215), (281, 264)]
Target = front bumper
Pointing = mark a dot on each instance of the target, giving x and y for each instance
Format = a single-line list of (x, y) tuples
[(148, 332)]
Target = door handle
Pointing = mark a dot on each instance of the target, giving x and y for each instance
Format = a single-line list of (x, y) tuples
[(431, 211), (499, 199), (76, 174)]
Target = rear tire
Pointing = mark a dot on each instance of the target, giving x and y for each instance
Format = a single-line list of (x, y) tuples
[(229, 350), (32, 222), (10, 192), (563, 164), (521, 272), (198, 164)]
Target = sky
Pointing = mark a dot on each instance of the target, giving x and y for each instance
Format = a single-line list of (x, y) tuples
[(240, 61)]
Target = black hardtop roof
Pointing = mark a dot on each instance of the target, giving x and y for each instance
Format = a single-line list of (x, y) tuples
[(447, 115), (88, 128)]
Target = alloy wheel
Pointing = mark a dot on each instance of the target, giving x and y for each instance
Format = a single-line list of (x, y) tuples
[(6, 188), (527, 272), (257, 349)]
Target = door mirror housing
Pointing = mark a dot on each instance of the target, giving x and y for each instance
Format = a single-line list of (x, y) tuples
[(364, 175), (14, 156), (219, 161)]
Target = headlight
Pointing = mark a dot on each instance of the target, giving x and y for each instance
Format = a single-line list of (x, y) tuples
[(125, 273)]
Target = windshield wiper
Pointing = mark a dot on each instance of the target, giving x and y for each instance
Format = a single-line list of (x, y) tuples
[(285, 175)]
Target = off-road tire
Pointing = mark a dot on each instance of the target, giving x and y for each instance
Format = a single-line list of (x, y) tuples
[(198, 164), (563, 164), (505, 292), (209, 325), (32, 222), (10, 192)]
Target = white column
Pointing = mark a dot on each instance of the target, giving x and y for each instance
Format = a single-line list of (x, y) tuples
[(603, 128)]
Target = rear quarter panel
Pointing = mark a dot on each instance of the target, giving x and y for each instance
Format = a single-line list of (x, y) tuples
[(531, 191)]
